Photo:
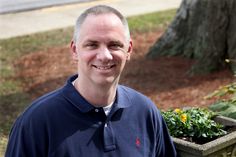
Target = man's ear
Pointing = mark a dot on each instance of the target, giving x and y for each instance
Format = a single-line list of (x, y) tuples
[(130, 49), (74, 51)]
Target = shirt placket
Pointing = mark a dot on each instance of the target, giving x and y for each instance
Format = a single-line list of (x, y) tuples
[(109, 142)]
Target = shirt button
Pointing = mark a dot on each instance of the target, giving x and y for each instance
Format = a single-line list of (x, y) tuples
[(100, 123), (96, 110)]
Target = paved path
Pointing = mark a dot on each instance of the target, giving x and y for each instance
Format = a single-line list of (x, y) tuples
[(13, 6), (24, 23)]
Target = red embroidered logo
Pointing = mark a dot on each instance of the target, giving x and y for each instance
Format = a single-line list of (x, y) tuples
[(137, 142)]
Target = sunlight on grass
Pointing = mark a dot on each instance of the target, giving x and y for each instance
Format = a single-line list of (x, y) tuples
[(3, 144), (9, 87), (13, 99), (5, 70), (151, 21), (15, 47)]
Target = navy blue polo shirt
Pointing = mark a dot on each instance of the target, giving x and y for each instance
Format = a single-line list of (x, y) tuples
[(63, 124)]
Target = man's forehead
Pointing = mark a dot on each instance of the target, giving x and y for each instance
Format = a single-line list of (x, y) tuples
[(107, 40), (104, 17), (111, 40)]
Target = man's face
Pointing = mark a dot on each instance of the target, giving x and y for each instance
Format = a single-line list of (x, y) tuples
[(101, 49)]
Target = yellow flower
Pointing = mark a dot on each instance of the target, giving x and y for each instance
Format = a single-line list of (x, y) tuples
[(183, 118), (227, 60), (177, 110)]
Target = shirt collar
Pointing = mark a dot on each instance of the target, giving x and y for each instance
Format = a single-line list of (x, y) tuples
[(122, 98), (72, 95)]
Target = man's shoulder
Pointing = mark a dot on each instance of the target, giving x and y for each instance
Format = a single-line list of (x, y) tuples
[(136, 97), (42, 105), (132, 92), (140, 103), (51, 95)]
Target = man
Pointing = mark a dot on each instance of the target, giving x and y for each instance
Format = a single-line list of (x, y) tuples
[(93, 116)]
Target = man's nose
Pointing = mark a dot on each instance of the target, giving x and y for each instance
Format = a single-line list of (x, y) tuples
[(104, 54)]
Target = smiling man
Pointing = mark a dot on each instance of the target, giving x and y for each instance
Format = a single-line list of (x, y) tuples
[(101, 46), (92, 115)]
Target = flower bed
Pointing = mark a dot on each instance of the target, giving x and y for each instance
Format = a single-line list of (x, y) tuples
[(198, 133), (193, 124), (224, 146)]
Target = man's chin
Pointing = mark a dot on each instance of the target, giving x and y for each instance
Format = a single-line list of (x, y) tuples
[(106, 81)]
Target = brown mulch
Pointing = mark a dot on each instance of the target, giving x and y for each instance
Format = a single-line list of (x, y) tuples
[(164, 80)]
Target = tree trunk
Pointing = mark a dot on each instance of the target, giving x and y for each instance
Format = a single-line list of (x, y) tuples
[(204, 30)]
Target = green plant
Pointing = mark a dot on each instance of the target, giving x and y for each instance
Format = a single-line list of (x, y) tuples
[(229, 89), (225, 107), (193, 124), (226, 103)]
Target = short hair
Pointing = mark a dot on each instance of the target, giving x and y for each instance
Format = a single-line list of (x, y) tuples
[(98, 10)]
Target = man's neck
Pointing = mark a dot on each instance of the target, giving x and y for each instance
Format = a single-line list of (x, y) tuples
[(98, 96)]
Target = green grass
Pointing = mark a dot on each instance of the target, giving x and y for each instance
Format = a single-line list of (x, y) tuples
[(30, 43), (13, 99), (148, 22)]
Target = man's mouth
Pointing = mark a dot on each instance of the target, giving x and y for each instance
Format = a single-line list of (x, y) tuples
[(107, 67)]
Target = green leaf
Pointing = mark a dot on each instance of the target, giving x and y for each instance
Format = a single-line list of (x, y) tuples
[(219, 106)]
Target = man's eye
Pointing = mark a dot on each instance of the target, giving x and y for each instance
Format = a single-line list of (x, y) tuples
[(115, 47), (91, 45)]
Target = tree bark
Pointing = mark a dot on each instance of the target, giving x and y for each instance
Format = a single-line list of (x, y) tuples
[(204, 30)]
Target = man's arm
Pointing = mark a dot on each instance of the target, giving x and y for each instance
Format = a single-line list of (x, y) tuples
[(165, 146), (24, 142)]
